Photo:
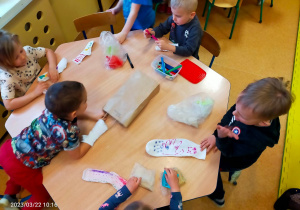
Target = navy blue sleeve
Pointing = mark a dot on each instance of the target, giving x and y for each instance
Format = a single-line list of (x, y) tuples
[(176, 201), (119, 197), (226, 119), (163, 28), (190, 44)]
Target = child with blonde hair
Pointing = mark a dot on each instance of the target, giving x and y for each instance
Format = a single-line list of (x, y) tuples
[(248, 127), (18, 69), (184, 27)]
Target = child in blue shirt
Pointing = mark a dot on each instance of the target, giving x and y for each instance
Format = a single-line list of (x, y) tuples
[(138, 14), (125, 192), (184, 27)]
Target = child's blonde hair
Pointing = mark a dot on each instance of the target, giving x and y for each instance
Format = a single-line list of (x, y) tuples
[(7, 48), (189, 5), (268, 98)]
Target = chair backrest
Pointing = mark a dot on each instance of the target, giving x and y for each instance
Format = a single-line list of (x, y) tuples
[(94, 20), (210, 44)]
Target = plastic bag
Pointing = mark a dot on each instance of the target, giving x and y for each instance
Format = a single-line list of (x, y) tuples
[(147, 175), (115, 56), (193, 110)]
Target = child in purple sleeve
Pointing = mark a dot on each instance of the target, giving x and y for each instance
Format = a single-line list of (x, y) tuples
[(125, 192)]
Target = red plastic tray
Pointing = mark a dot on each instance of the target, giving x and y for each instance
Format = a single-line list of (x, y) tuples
[(192, 72)]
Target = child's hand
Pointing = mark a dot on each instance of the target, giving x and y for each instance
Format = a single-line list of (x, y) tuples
[(91, 115), (172, 179), (120, 37), (164, 45), (40, 88), (225, 132), (133, 183), (114, 10), (53, 75), (147, 35), (209, 143)]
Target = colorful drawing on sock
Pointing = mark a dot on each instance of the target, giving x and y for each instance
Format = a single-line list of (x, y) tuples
[(60, 68), (93, 175), (86, 51), (175, 147)]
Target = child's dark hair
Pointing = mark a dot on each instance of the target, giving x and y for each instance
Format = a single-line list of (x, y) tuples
[(7, 48), (62, 98), (137, 205), (268, 97)]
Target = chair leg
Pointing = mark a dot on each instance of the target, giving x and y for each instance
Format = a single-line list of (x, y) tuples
[(112, 29), (229, 13), (235, 17), (271, 3), (261, 11), (204, 8), (25, 199), (156, 6), (207, 16), (211, 62), (84, 34)]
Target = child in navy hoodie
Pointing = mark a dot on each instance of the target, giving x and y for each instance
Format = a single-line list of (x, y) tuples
[(251, 125)]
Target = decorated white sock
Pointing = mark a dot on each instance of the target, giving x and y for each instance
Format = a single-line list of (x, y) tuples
[(93, 175), (174, 147), (99, 128), (62, 65), (87, 51), (60, 68)]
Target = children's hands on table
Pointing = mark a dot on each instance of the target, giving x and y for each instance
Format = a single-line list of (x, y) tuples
[(133, 183), (224, 132), (40, 88), (92, 115), (53, 75), (164, 45), (114, 10), (120, 37), (209, 143), (147, 35), (172, 179)]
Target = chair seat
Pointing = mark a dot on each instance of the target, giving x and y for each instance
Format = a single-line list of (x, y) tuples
[(224, 3)]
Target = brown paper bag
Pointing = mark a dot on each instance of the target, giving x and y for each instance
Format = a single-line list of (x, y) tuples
[(131, 98)]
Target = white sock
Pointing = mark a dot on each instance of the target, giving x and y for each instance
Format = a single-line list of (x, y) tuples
[(175, 147), (93, 175)]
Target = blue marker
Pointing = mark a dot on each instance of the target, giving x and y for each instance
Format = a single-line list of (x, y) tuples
[(169, 67), (163, 65)]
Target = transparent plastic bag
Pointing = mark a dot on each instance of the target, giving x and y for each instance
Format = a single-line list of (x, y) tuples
[(193, 110), (115, 56)]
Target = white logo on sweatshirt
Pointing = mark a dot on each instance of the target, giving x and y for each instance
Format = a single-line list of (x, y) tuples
[(186, 33)]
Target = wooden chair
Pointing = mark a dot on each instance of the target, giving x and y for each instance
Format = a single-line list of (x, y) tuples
[(224, 4), (94, 20), (210, 44)]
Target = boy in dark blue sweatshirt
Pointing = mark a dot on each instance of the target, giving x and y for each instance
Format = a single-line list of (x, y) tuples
[(248, 128), (184, 27)]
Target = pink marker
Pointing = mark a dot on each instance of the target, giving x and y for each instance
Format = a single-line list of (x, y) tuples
[(153, 37)]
